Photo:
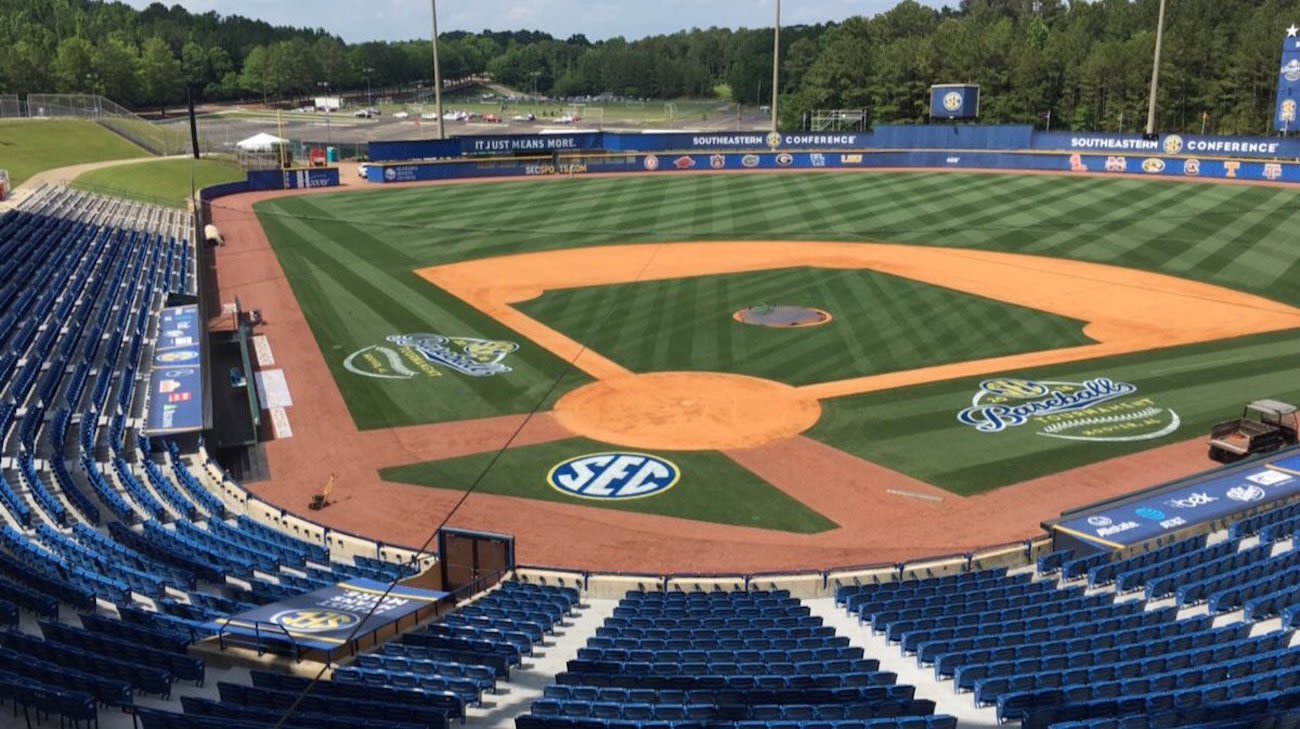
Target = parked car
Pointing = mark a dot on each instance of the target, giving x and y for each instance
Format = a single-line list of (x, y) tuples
[(402, 115), (493, 118), (529, 117)]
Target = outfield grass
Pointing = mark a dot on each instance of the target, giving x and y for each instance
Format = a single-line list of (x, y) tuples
[(163, 182), (31, 146), (881, 323), (713, 488), (350, 259)]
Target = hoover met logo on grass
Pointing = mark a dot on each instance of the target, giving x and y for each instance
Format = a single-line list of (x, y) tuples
[(614, 476), (1099, 409), (411, 355)]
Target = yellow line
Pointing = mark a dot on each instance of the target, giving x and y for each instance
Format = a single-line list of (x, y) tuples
[(1089, 537)]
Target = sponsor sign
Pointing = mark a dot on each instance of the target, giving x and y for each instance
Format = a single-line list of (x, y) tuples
[(412, 355), (1100, 410), (178, 326), (1288, 82), (324, 619), (1210, 497), (175, 400), (614, 476)]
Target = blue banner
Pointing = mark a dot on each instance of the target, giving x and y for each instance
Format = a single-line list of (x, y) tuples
[(175, 400), (293, 179), (1288, 82), (323, 619), (954, 101), (178, 326), (1196, 501)]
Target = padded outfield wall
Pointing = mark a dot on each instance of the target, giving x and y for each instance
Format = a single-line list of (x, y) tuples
[(1257, 159)]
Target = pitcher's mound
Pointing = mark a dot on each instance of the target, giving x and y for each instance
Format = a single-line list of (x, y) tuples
[(687, 411), (781, 317)]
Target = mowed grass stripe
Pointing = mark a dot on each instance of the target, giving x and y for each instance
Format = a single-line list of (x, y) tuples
[(881, 323)]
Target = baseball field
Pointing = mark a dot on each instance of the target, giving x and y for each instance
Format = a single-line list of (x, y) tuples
[(970, 331)]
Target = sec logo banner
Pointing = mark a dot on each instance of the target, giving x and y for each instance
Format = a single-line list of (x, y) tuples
[(610, 476)]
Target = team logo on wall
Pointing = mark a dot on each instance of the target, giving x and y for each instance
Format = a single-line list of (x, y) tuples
[(1292, 70), (952, 101), (817, 159), (685, 162), (1173, 144), (1192, 167), (1272, 171), (749, 160), (785, 159), (1116, 164), (718, 161), (314, 621), (1153, 165), (1077, 164), (850, 159), (412, 355), (651, 162), (1230, 169), (1099, 409), (614, 476), (774, 140)]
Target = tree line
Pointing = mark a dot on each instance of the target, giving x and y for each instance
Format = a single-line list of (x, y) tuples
[(1087, 64)]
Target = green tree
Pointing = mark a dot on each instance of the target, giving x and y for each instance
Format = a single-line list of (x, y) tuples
[(160, 74), (73, 65)]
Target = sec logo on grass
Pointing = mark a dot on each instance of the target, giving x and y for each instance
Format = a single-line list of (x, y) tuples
[(610, 476)]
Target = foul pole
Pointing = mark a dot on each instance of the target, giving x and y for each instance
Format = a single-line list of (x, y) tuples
[(437, 74), (776, 60), (1155, 71)]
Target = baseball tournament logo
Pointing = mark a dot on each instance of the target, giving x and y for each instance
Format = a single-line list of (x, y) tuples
[(1173, 144), (414, 354), (314, 621), (774, 139), (952, 101), (613, 476), (1099, 409)]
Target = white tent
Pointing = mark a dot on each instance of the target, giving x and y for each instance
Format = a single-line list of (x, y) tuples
[(260, 143)]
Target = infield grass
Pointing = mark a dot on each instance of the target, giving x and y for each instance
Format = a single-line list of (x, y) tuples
[(880, 323), (29, 146), (350, 259), (712, 488), (162, 182)]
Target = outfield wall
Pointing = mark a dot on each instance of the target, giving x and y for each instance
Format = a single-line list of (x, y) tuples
[(1166, 166)]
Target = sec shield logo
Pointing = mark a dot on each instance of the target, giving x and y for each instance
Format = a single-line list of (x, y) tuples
[(314, 621), (952, 101), (614, 476)]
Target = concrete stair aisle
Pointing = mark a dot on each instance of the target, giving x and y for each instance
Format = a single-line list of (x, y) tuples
[(538, 670), (892, 659)]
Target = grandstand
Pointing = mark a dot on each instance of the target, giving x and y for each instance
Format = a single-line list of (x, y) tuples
[(125, 557)]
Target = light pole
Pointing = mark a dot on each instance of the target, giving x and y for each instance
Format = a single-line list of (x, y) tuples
[(329, 137), (370, 102), (1155, 71), (437, 74), (776, 60)]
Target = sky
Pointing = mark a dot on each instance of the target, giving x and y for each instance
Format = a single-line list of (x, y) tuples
[(363, 20)]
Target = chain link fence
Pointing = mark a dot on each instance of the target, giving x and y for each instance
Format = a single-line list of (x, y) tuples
[(10, 106)]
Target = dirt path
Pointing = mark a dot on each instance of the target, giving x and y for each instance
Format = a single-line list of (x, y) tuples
[(885, 516)]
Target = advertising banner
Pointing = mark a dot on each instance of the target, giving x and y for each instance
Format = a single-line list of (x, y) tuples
[(323, 619), (1200, 500), (1288, 82), (175, 400), (178, 327)]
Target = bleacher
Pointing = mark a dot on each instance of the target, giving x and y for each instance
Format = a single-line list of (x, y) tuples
[(752, 659)]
